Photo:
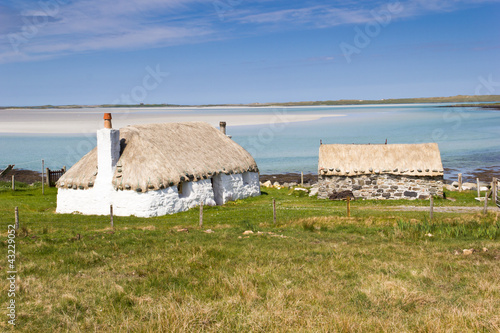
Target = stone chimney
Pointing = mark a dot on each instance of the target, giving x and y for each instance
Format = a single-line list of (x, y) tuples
[(108, 151), (222, 126)]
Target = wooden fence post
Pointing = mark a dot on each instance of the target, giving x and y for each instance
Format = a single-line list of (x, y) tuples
[(111, 215), (348, 206), (485, 210), (43, 180), (274, 211), (459, 182), (478, 191), (13, 183), (47, 178), (432, 208), (201, 214), (302, 178), (16, 213), (494, 189)]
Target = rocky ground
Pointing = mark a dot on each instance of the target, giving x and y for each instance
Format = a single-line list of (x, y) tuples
[(290, 178), (23, 176), (287, 179), (484, 174)]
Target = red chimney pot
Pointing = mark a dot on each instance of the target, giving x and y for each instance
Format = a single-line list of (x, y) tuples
[(107, 120)]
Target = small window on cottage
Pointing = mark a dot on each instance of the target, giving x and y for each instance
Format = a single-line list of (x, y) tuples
[(246, 178), (179, 188)]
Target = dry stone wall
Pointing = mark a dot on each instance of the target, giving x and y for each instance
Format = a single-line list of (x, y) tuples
[(384, 186)]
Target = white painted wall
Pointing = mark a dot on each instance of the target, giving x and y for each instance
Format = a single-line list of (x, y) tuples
[(96, 200), (235, 186), (108, 154)]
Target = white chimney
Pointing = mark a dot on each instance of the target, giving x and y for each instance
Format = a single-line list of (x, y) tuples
[(108, 151)]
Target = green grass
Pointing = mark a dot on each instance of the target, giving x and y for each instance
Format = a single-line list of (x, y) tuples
[(315, 271)]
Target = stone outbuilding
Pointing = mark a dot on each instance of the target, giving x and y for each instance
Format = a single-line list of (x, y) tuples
[(157, 169), (386, 171)]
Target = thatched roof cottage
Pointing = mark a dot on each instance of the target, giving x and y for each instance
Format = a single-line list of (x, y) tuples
[(393, 171), (157, 169)]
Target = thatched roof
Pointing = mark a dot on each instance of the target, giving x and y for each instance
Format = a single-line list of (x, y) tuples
[(156, 156), (398, 159)]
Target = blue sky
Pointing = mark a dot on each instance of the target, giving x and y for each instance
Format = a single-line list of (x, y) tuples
[(244, 51)]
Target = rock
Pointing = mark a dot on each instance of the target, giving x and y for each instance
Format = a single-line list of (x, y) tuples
[(301, 189), (485, 249), (248, 232), (467, 252), (276, 185), (293, 184), (341, 195), (429, 235), (455, 184), (484, 189), (267, 184), (287, 185), (183, 230), (468, 186), (410, 194), (209, 231), (450, 187), (314, 191)]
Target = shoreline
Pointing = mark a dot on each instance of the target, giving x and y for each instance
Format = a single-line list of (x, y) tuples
[(60, 121), (484, 175), (492, 106), (339, 102)]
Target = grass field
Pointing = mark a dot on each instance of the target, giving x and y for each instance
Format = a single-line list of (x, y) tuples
[(315, 271)]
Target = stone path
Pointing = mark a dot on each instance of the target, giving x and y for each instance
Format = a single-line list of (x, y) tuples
[(448, 209)]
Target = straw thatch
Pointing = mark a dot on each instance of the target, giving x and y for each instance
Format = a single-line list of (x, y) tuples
[(397, 159), (156, 156)]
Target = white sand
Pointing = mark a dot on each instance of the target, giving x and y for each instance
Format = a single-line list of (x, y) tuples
[(78, 121)]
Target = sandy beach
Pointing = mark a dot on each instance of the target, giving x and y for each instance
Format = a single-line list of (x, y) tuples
[(73, 121)]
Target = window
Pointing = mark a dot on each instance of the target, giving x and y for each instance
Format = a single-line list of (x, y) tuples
[(247, 178)]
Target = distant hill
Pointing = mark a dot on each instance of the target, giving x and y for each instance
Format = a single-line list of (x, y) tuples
[(451, 99)]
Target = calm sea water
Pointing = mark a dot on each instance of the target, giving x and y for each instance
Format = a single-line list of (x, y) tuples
[(468, 137)]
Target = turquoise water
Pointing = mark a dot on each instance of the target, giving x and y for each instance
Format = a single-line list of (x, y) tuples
[(468, 137)]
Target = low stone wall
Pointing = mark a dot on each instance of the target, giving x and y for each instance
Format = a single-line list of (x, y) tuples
[(384, 186)]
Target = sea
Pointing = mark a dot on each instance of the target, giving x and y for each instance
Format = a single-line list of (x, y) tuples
[(468, 137)]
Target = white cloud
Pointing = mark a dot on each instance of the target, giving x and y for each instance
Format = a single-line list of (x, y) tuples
[(52, 28), (334, 14), (57, 29)]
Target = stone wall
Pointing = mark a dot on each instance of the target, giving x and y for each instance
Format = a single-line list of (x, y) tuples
[(385, 186)]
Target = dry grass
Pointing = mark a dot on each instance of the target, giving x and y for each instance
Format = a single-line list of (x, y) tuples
[(311, 273)]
